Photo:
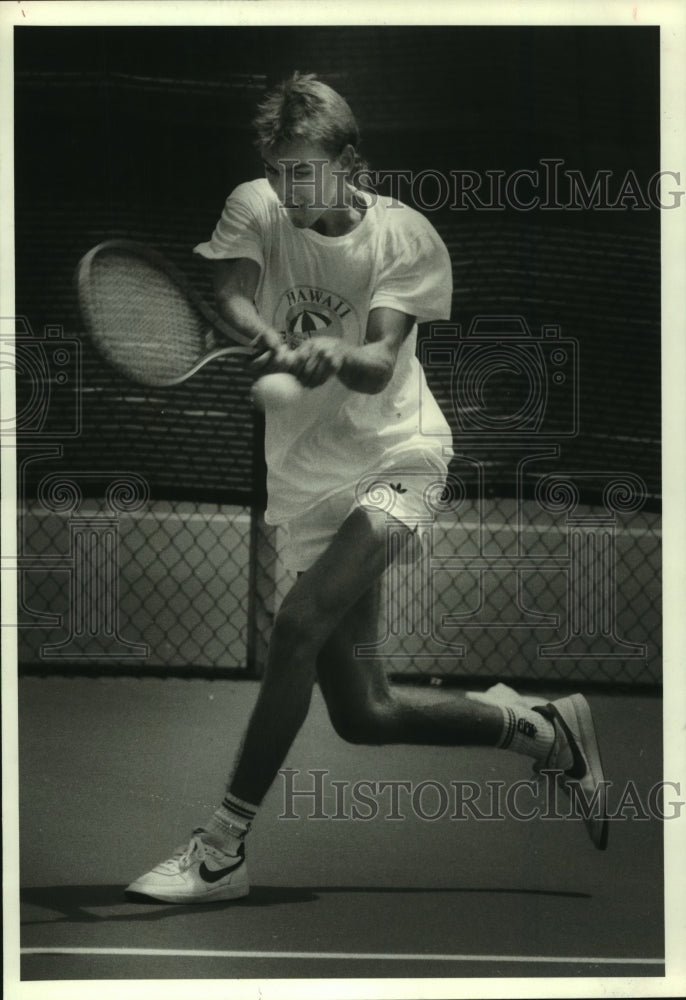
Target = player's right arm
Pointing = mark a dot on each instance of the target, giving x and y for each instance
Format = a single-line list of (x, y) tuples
[(235, 286)]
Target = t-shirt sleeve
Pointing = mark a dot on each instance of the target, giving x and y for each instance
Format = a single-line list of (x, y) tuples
[(240, 230), (416, 278)]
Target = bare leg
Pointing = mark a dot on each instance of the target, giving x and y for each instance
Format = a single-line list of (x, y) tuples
[(316, 631), (365, 708), (318, 601)]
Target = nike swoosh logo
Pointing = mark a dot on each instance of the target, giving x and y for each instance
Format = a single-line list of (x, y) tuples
[(578, 768), (208, 875)]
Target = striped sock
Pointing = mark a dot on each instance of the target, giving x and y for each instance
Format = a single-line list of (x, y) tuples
[(526, 731), (231, 822)]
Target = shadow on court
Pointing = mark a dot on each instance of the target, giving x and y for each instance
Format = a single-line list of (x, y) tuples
[(72, 901)]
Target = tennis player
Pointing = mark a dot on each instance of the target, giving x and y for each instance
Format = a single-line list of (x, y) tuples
[(331, 281)]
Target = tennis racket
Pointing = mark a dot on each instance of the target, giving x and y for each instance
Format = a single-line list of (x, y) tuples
[(146, 320)]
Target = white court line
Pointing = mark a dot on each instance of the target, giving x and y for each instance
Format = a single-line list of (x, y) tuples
[(326, 955)]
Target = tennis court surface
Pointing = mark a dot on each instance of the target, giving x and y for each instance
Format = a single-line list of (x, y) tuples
[(115, 772)]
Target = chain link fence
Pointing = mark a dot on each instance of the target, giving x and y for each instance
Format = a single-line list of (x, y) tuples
[(497, 590), (165, 587)]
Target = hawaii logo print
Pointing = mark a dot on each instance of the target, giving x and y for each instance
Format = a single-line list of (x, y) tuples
[(306, 311)]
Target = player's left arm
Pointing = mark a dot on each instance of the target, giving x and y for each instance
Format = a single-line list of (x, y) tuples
[(367, 368)]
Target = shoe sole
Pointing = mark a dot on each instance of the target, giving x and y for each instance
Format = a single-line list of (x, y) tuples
[(219, 895), (597, 826)]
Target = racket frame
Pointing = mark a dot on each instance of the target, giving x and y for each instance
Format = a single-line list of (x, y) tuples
[(241, 344)]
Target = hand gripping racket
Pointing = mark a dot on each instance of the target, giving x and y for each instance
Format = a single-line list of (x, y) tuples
[(144, 317)]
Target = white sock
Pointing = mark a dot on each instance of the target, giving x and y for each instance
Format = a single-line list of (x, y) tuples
[(526, 731), (231, 822)]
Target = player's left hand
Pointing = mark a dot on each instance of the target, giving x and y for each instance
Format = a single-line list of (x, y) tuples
[(316, 360)]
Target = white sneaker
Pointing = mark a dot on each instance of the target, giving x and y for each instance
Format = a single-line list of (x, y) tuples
[(501, 694), (196, 873), (575, 760)]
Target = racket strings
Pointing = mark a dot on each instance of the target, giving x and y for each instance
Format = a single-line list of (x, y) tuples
[(145, 324)]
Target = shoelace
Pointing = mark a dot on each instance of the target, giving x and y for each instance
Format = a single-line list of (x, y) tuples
[(194, 848), (183, 856)]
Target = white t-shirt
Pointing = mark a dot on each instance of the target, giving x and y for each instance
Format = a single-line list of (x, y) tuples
[(315, 285)]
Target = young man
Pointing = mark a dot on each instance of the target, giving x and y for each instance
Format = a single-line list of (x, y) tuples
[(331, 283)]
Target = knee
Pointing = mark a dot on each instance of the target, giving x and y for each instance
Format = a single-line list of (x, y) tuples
[(364, 722), (295, 633)]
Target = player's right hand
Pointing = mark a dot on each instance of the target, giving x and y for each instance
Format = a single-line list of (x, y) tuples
[(315, 361)]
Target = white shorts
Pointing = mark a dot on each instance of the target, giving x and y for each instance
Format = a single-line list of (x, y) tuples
[(408, 492)]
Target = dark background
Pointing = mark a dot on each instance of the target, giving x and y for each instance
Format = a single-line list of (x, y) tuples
[(142, 132)]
